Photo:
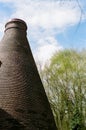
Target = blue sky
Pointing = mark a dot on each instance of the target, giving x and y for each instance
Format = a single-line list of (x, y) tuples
[(52, 25)]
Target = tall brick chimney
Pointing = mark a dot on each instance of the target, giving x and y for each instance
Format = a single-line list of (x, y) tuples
[(23, 102)]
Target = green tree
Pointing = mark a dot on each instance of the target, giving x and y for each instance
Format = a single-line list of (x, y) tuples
[(64, 80)]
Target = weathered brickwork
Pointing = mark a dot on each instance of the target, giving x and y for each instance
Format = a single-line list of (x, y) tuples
[(23, 102)]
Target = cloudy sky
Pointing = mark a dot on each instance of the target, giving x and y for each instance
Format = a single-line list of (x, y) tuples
[(52, 24)]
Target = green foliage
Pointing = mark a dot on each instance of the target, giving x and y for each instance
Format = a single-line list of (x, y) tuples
[(65, 84), (76, 122)]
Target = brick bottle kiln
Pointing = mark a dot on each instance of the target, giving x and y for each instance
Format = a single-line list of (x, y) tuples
[(23, 102)]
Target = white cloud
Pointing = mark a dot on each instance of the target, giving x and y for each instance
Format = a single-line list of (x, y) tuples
[(3, 1), (47, 47), (45, 19), (47, 14)]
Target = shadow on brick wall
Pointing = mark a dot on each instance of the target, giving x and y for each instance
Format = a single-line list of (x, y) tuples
[(7, 122)]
